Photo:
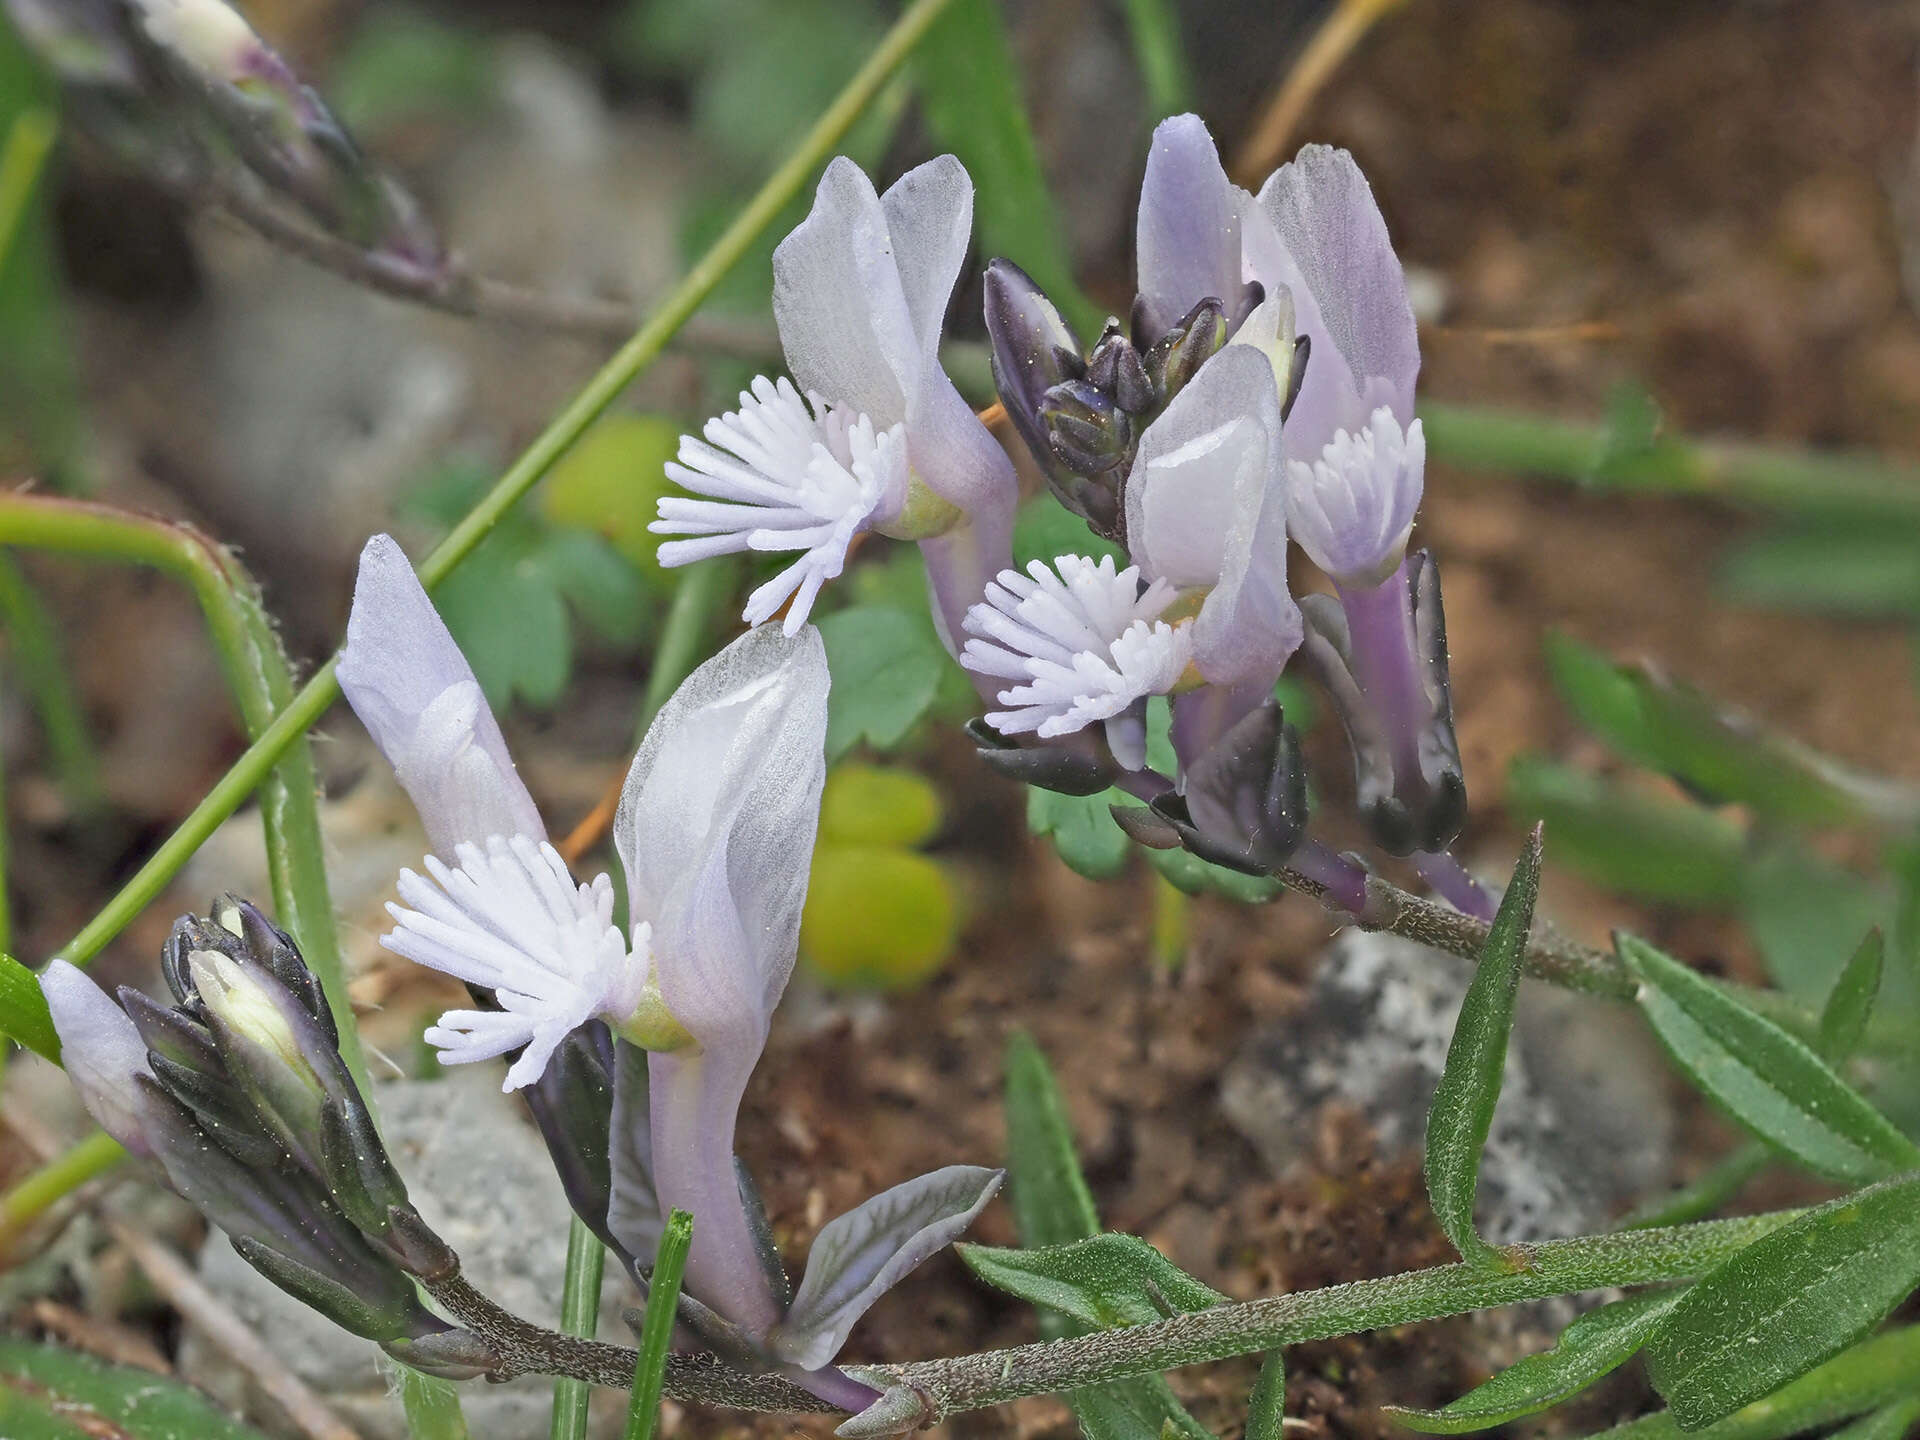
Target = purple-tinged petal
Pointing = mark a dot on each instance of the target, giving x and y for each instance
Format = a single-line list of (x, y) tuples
[(929, 214), (1366, 347), (843, 314), (864, 1253), (102, 1051), (414, 691), (1206, 509), (1188, 234), (716, 828)]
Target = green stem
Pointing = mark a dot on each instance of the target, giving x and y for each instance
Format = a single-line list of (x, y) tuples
[(656, 1330), (45, 1187), (257, 672), (1707, 1194), (579, 1315), (1794, 480), (636, 355), (37, 660), (1155, 31), (1558, 1267), (701, 590), (29, 141)]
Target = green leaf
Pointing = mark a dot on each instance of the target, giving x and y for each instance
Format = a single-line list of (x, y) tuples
[(1052, 1206), (1681, 732), (1843, 1020), (881, 805), (1592, 1346), (1044, 530), (876, 917), (90, 1398), (1701, 1198), (1469, 1088), (1267, 1406), (1191, 875), (1050, 1200), (1650, 848), (509, 620), (1104, 1282), (611, 483), (970, 95), (605, 590), (1083, 830), (1764, 1078), (1792, 1299), (1831, 567), (24, 1017), (1889, 1422), (885, 675), (402, 67), (1154, 27), (1805, 916)]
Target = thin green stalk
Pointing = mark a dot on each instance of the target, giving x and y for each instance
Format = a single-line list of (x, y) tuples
[(1155, 31), (579, 1315), (42, 670), (1710, 1192), (636, 355), (256, 670), (29, 141), (656, 1330), (47, 1186), (701, 590), (1793, 480)]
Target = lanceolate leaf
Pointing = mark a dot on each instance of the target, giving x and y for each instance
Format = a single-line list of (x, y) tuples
[(1589, 1348), (1763, 1077), (24, 1017), (1469, 1088), (1889, 1422), (1792, 1299), (1052, 1206), (1105, 1282), (1267, 1406), (1844, 1019), (49, 1392)]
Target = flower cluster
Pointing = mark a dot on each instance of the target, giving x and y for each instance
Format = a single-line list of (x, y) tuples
[(1260, 394)]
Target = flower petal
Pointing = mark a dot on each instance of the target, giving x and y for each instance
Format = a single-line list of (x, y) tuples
[(414, 691), (1188, 234), (1330, 225), (716, 827), (101, 1049), (862, 1254)]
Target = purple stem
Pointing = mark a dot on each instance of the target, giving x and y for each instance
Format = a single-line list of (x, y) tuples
[(694, 1098), (1381, 652), (1453, 883)]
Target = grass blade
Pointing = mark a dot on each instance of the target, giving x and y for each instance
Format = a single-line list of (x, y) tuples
[(656, 1330)]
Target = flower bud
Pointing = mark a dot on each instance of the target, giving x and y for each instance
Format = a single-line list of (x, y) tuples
[(1086, 430), (1176, 357), (1115, 368), (1247, 796)]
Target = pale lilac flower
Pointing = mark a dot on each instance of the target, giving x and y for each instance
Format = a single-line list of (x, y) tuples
[(784, 474), (1206, 514), (860, 291), (1086, 642), (1315, 231)]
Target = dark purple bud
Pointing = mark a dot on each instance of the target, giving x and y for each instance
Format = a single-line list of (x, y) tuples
[(1296, 373), (572, 1104), (1032, 349), (1086, 431), (450, 1353), (1248, 794), (1251, 294), (1049, 767), (1115, 369), (1143, 827), (1177, 356)]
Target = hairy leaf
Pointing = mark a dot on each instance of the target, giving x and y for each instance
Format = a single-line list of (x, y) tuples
[(1591, 1347), (1764, 1078), (53, 1393), (1104, 1282), (1792, 1299), (1469, 1088), (1267, 1406), (1843, 1020)]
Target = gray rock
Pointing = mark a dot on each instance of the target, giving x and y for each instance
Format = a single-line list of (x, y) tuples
[(1583, 1127), (478, 1172)]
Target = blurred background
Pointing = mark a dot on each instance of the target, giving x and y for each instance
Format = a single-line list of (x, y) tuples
[(1658, 221)]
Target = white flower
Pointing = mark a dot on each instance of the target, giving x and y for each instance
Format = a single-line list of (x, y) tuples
[(1352, 508), (1086, 641), (784, 473), (510, 918)]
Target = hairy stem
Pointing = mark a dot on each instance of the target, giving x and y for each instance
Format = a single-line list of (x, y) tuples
[(306, 708), (924, 1391)]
